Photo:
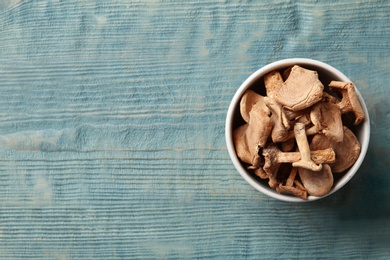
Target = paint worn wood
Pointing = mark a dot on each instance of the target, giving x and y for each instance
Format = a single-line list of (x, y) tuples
[(112, 129)]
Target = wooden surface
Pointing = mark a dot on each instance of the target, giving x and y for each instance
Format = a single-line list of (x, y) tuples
[(112, 129)]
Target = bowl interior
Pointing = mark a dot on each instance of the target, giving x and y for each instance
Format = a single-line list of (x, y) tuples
[(255, 82)]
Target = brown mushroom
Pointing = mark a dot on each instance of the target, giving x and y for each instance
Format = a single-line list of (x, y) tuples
[(317, 183), (279, 121), (346, 151), (249, 137), (326, 119), (273, 158), (251, 100), (302, 89), (303, 146), (244, 150), (350, 101), (260, 125), (300, 193)]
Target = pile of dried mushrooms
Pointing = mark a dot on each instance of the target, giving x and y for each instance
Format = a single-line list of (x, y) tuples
[(297, 136)]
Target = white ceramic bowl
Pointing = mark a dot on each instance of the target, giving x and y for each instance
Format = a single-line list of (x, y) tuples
[(255, 81)]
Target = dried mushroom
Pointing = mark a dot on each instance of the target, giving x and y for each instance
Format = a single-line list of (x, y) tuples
[(302, 89), (295, 136), (349, 102), (249, 137), (250, 101), (326, 118), (292, 186), (279, 120), (346, 151), (317, 183)]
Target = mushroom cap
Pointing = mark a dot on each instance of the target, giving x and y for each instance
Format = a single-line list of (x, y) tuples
[(249, 137), (260, 127), (327, 118), (242, 149), (249, 100), (317, 183), (346, 151), (302, 89)]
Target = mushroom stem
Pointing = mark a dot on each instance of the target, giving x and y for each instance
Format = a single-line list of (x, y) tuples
[(319, 156), (291, 177), (303, 146)]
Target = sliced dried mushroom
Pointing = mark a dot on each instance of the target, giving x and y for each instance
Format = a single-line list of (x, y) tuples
[(317, 183), (346, 151), (249, 137), (279, 120), (302, 89), (260, 125), (244, 149), (249, 101), (326, 118), (350, 101), (297, 192)]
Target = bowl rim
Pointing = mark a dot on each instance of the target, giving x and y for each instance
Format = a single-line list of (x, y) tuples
[(279, 64)]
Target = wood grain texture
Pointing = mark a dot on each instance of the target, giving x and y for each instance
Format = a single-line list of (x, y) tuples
[(112, 121)]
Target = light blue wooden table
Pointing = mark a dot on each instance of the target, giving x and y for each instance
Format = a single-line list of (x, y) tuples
[(112, 129)]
